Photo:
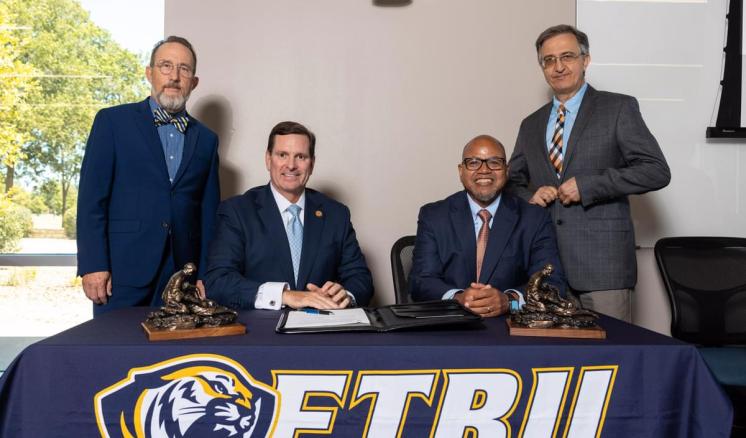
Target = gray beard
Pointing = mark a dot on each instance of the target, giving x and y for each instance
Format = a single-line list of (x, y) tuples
[(486, 198), (172, 104)]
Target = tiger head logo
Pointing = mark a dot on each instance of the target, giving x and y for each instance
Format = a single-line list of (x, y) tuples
[(191, 396)]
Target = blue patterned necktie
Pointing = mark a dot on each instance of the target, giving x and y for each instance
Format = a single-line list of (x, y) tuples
[(164, 118), (295, 237)]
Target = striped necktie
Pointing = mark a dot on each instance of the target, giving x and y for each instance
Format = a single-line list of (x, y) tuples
[(161, 117), (484, 234), (295, 238), (555, 152)]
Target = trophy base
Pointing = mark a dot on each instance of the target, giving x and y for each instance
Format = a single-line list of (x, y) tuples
[(155, 334), (555, 332)]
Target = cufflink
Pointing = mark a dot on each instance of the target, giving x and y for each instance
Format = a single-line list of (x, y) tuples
[(272, 303)]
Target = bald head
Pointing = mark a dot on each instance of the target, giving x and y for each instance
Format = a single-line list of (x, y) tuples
[(483, 169), (483, 139)]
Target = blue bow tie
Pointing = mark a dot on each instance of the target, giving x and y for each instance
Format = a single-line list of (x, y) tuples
[(164, 118)]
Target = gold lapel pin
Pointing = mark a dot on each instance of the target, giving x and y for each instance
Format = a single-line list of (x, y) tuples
[(319, 213)]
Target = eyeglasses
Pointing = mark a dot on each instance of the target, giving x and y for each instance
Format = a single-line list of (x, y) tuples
[(565, 58), (166, 67), (493, 163)]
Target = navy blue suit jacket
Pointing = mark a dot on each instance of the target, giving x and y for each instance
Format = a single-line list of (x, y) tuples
[(521, 242), (250, 247), (128, 208)]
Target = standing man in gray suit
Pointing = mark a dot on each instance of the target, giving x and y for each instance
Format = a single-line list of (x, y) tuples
[(579, 156)]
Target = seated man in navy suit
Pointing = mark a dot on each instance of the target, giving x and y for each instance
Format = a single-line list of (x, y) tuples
[(283, 244), (481, 245)]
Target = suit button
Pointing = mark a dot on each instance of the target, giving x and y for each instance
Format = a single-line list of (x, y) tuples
[(559, 221), (164, 224)]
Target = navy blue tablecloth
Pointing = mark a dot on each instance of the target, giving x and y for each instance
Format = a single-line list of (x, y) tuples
[(103, 378)]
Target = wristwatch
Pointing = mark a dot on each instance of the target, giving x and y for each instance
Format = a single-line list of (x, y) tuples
[(513, 304)]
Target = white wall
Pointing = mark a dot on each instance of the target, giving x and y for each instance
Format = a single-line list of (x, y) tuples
[(393, 94), (668, 54)]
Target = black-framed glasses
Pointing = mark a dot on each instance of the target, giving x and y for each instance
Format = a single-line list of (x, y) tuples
[(493, 163), (166, 67), (565, 58)]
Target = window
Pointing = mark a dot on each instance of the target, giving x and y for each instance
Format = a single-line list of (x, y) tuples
[(60, 62)]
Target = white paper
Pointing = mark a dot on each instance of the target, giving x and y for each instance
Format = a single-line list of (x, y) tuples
[(329, 318)]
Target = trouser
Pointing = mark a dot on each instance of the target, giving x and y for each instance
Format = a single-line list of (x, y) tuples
[(616, 303), (149, 295)]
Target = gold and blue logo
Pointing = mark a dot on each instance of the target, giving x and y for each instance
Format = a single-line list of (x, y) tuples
[(199, 395)]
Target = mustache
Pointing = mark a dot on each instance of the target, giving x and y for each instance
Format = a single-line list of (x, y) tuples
[(172, 84)]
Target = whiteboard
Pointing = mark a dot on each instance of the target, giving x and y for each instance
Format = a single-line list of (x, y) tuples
[(668, 54)]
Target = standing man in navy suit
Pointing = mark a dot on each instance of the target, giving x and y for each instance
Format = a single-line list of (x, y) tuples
[(283, 244), (480, 246), (580, 156), (148, 188)]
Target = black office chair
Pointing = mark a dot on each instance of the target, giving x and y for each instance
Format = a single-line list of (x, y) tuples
[(401, 264), (705, 278)]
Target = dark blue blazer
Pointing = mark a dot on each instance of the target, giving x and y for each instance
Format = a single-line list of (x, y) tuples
[(128, 208), (250, 247), (521, 242)]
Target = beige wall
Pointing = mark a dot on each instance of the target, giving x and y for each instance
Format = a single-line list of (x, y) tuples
[(650, 305), (393, 93)]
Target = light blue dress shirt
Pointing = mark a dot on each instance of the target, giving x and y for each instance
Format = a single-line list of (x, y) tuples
[(476, 208), (572, 106), (172, 142)]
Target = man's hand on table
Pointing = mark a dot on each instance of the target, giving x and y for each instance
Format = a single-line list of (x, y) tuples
[(329, 296), (483, 300)]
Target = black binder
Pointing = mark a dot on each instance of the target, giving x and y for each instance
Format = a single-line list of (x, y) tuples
[(395, 317)]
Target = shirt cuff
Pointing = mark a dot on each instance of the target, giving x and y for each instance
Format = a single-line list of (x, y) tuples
[(269, 295), (353, 302), (450, 294)]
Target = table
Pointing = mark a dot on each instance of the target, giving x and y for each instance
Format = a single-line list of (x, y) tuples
[(103, 378)]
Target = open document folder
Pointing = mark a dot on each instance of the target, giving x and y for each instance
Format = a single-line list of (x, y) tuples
[(379, 319)]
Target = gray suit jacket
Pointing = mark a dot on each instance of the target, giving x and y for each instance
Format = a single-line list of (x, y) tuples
[(612, 154)]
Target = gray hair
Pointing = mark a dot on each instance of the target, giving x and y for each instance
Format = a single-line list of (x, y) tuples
[(560, 29), (174, 39)]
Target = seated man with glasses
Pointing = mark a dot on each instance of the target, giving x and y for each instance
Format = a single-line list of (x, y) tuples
[(480, 246)]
